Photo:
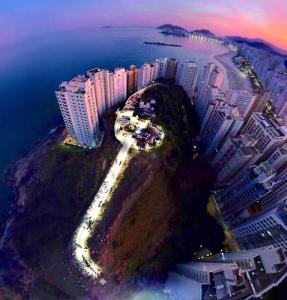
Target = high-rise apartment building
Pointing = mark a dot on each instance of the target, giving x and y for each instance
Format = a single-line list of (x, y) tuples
[(132, 79), (278, 195), (186, 76), (249, 186), (268, 132), (101, 80), (268, 228), (224, 122), (278, 159), (169, 69), (257, 104), (145, 75), (242, 99), (244, 274), (120, 85), (235, 154), (77, 102)]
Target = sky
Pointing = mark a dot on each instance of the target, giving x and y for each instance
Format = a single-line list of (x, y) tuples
[(264, 19)]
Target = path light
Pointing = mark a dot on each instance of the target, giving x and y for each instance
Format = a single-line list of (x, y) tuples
[(95, 212)]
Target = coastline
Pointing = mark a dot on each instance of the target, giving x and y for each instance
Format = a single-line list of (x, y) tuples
[(232, 74), (14, 176), (13, 179)]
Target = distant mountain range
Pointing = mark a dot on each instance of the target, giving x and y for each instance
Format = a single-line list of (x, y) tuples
[(259, 44), (177, 30), (203, 32), (256, 43)]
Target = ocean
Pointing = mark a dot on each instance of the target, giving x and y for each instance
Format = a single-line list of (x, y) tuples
[(31, 71)]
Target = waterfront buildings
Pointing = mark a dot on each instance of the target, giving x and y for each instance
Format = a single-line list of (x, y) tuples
[(264, 229), (268, 132), (271, 71), (246, 189), (224, 121), (145, 75), (169, 68), (186, 76), (120, 85), (236, 275), (242, 99), (236, 153), (101, 80), (132, 79), (209, 83), (78, 105)]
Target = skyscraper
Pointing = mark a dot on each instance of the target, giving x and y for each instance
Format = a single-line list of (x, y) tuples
[(257, 104), (77, 102), (224, 122), (205, 98), (235, 154), (242, 99), (169, 69), (268, 132), (145, 75), (209, 80), (132, 79), (120, 85), (268, 228), (101, 80), (186, 76), (249, 186)]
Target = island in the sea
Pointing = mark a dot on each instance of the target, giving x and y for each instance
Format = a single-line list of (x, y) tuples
[(162, 44)]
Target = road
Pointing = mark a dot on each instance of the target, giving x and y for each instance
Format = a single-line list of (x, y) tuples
[(95, 212)]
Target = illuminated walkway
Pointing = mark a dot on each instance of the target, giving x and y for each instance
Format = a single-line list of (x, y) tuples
[(95, 212)]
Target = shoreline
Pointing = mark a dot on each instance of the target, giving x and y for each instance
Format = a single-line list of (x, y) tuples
[(16, 203), (232, 74), (217, 61)]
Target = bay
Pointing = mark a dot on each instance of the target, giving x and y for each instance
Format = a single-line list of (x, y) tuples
[(31, 71)]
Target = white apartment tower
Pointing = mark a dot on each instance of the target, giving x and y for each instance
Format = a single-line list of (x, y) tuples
[(120, 85), (77, 102), (235, 154), (186, 76), (224, 122), (269, 134), (145, 75), (248, 187), (101, 80), (242, 99), (268, 228)]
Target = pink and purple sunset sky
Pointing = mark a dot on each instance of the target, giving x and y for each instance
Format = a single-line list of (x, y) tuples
[(264, 19)]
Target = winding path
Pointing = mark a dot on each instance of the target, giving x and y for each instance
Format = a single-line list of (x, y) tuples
[(95, 212)]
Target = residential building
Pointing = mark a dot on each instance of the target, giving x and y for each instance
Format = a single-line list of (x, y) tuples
[(279, 192), (132, 79), (257, 104), (205, 280), (268, 228), (278, 159), (224, 122), (264, 268), (235, 154), (186, 76), (77, 102), (248, 187), (268, 132), (120, 85), (170, 65), (242, 99), (145, 75), (101, 80)]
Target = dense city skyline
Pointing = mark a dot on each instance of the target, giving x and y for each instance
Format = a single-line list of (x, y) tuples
[(257, 19)]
